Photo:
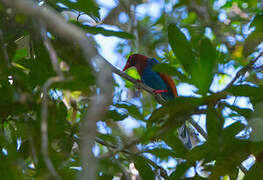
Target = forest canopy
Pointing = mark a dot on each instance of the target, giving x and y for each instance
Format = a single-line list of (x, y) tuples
[(68, 111)]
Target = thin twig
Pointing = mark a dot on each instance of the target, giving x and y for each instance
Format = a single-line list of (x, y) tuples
[(198, 128), (44, 125), (120, 148), (107, 144), (134, 141), (4, 50), (125, 172), (51, 51), (245, 69), (259, 68)]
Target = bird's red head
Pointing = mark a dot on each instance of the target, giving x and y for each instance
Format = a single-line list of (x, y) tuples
[(137, 60), (130, 62)]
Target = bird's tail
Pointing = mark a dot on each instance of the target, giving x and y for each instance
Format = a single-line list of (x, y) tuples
[(184, 136)]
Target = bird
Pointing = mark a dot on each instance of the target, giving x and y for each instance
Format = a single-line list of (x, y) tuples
[(160, 82)]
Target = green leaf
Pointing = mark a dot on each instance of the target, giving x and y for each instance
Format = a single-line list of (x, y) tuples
[(174, 109), (105, 32), (143, 167), (105, 177), (213, 126), (108, 167), (241, 111), (255, 93), (166, 68), (232, 130), (86, 6), (146, 134), (132, 110), (180, 171), (81, 79), (181, 48), (161, 152), (229, 158), (171, 139), (255, 172), (20, 53), (115, 115), (108, 138), (203, 76), (170, 70), (206, 152), (196, 33), (255, 38)]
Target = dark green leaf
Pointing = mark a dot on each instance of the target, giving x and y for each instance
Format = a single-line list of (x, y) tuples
[(105, 32), (255, 38), (82, 78), (87, 6), (115, 115), (242, 111), (109, 167), (181, 48), (179, 171), (232, 130), (174, 109), (132, 109), (203, 75), (249, 91), (213, 126), (172, 140), (108, 138), (255, 172), (143, 167), (161, 152)]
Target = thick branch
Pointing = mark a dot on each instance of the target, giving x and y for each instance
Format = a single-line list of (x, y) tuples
[(97, 110)]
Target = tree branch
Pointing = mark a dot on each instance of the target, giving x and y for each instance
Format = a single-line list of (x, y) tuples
[(97, 110), (4, 49), (51, 51), (245, 69), (44, 125)]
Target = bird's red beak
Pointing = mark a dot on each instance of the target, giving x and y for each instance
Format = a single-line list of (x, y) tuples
[(127, 66)]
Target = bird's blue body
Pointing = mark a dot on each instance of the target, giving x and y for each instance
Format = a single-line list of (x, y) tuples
[(158, 81), (155, 81)]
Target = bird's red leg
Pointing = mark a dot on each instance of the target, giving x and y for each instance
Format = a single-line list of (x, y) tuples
[(155, 90), (160, 91)]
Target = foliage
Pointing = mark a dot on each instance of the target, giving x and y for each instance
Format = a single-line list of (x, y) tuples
[(197, 47)]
